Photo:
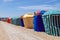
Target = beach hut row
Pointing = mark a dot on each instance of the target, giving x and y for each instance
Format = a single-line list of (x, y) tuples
[(40, 21), (3, 19)]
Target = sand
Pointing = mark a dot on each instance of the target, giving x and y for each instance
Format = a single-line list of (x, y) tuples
[(13, 32)]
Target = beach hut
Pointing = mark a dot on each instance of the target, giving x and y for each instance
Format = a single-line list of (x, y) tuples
[(51, 21), (21, 21), (38, 22), (9, 20), (16, 20), (28, 20)]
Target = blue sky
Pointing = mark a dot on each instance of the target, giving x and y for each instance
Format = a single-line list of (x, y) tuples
[(11, 8)]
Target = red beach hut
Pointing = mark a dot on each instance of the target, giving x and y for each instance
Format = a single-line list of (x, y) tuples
[(9, 20)]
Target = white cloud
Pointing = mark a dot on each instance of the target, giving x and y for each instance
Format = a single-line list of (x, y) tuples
[(51, 1), (57, 5), (41, 7), (7, 0)]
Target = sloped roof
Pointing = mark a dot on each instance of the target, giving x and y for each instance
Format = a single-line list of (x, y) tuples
[(16, 17), (29, 15), (50, 12)]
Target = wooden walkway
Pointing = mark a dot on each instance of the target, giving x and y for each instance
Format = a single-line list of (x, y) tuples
[(12, 32)]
